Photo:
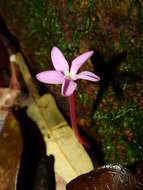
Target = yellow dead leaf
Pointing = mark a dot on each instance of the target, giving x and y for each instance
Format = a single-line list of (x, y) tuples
[(71, 160)]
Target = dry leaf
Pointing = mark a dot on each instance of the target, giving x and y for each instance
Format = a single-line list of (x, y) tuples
[(11, 145), (71, 160), (60, 183), (7, 97)]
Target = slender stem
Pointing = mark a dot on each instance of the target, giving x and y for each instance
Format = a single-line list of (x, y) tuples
[(73, 122)]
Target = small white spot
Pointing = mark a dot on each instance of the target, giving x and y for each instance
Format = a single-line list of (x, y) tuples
[(69, 75), (12, 58)]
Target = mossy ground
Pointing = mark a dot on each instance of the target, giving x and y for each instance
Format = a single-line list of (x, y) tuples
[(109, 27)]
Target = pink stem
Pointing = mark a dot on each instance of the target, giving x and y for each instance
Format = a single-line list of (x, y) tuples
[(73, 122)]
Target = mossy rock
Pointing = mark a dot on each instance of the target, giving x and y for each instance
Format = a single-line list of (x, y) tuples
[(109, 27)]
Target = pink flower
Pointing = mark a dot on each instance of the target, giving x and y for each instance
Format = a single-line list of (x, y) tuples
[(65, 76)]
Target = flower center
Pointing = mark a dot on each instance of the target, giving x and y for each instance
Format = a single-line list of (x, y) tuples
[(69, 75)]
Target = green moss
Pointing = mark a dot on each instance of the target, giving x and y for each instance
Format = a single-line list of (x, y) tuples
[(50, 22), (84, 98), (121, 134)]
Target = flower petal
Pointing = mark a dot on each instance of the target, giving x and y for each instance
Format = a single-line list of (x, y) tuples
[(87, 76), (50, 77), (68, 87), (59, 61), (78, 62)]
